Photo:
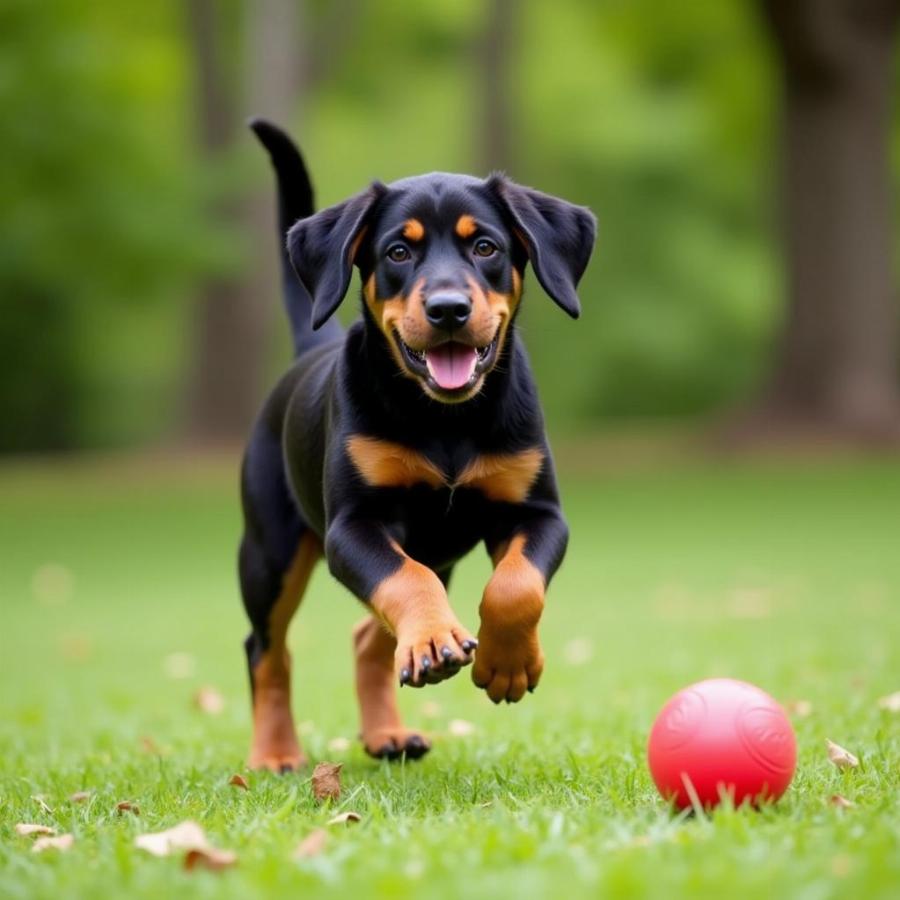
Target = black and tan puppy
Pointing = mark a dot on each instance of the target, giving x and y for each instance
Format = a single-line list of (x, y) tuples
[(396, 447)]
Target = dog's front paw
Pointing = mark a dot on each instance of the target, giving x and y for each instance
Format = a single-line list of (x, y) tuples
[(432, 653), (507, 664)]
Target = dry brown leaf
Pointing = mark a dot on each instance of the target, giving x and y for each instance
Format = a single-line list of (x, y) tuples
[(63, 842), (891, 702), (28, 828), (800, 708), (312, 845), (841, 802), (345, 818), (239, 781), (209, 858), (339, 745), (42, 803), (209, 701), (842, 758), (186, 835), (326, 781), (460, 728), (81, 796), (127, 806)]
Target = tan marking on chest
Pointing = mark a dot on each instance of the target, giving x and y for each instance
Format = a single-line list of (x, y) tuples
[(506, 477), (386, 464)]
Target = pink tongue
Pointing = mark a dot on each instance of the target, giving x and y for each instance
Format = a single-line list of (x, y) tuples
[(451, 365)]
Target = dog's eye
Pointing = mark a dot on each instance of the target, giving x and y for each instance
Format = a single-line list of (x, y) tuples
[(484, 247), (398, 253)]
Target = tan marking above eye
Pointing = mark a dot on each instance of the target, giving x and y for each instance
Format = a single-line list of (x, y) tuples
[(413, 230), (466, 226), (504, 477)]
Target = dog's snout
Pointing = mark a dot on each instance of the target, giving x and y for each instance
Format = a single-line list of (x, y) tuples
[(448, 309)]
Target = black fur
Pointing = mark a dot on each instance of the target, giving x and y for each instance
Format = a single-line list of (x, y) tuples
[(297, 474)]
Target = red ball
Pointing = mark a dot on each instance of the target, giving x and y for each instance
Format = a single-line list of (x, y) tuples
[(722, 736)]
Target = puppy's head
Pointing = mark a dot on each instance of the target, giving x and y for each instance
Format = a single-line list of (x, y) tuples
[(442, 259)]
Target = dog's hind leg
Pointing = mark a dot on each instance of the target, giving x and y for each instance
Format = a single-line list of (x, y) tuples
[(277, 555)]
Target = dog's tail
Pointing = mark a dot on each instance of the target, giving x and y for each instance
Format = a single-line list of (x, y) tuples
[(295, 201)]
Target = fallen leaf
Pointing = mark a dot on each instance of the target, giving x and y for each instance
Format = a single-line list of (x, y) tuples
[(209, 858), (326, 781), (312, 845), (179, 665), (800, 708), (28, 828), (187, 835), (81, 796), (209, 701), (841, 802), (339, 744), (42, 803), (345, 818), (460, 728), (63, 842), (239, 781), (148, 745), (891, 702), (842, 758), (127, 806)]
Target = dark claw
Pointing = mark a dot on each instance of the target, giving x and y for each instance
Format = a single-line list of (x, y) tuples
[(426, 663), (404, 677), (447, 653), (285, 769), (416, 746), (531, 688), (469, 645)]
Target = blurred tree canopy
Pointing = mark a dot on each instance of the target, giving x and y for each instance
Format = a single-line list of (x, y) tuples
[(660, 117)]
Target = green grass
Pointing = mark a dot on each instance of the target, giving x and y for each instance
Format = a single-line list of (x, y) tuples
[(785, 575)]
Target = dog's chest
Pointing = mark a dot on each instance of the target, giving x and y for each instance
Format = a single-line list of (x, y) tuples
[(500, 477)]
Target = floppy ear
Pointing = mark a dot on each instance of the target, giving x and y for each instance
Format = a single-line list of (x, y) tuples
[(558, 236), (322, 250)]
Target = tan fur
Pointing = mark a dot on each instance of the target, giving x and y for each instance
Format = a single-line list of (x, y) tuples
[(413, 230), (504, 477), (413, 604), (275, 744), (509, 660), (466, 226), (386, 464), (376, 687)]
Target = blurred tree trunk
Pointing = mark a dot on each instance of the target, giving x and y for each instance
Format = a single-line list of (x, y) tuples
[(494, 52), (234, 313), (836, 370)]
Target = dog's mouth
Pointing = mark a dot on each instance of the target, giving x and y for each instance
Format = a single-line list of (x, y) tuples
[(452, 368)]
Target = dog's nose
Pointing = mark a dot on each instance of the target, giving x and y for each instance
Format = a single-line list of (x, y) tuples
[(448, 309)]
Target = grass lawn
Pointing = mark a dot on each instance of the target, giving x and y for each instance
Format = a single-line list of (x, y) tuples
[(787, 575)]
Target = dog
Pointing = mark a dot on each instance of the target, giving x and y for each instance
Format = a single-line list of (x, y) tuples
[(396, 447)]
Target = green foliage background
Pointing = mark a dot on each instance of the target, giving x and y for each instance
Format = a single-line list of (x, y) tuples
[(660, 117)]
